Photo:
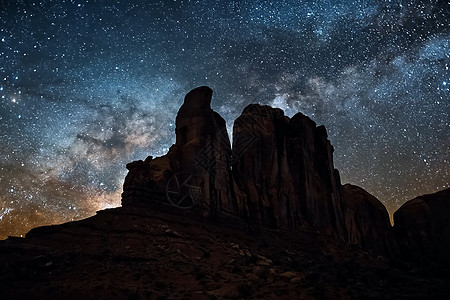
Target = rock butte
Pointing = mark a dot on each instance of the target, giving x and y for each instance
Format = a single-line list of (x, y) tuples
[(278, 174)]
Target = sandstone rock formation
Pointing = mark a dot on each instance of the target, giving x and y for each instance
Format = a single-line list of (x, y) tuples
[(422, 228), (284, 167), (367, 222), (280, 172), (196, 168)]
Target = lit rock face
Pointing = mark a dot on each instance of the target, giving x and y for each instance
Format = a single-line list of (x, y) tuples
[(422, 228)]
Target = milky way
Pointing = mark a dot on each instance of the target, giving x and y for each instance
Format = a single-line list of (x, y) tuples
[(88, 86)]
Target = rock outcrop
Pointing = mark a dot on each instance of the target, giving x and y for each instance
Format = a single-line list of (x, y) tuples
[(280, 172), (422, 229), (195, 171), (285, 168), (367, 222)]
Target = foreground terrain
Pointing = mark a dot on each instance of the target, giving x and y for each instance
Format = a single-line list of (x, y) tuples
[(132, 253)]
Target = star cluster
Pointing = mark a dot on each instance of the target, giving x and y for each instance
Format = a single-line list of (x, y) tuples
[(87, 86)]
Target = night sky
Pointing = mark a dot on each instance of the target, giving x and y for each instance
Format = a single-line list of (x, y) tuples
[(88, 86)]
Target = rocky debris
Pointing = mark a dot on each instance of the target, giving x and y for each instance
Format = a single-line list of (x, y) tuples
[(297, 279), (288, 275), (245, 252), (367, 222), (263, 261), (422, 229)]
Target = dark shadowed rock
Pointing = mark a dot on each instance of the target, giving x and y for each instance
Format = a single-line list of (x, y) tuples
[(367, 221), (260, 167), (203, 151), (310, 158), (280, 172), (285, 169), (422, 228), (196, 170)]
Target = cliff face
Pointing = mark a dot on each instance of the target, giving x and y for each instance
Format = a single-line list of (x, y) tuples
[(284, 167), (422, 228), (203, 153)]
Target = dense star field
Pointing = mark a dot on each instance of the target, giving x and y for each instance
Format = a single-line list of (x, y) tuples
[(88, 86)]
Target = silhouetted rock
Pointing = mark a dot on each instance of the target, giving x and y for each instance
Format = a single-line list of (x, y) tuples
[(195, 171), (280, 172), (203, 151), (367, 221), (422, 229), (285, 169), (310, 158)]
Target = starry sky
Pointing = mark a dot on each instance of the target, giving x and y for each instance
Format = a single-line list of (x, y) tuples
[(87, 86)]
